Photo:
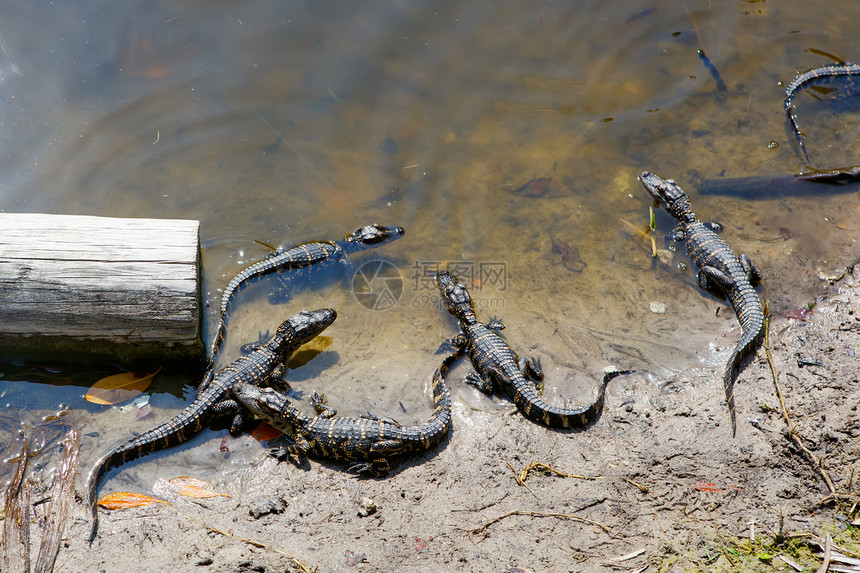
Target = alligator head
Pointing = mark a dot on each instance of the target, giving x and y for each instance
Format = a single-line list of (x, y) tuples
[(456, 297), (669, 195), (375, 234), (302, 327)]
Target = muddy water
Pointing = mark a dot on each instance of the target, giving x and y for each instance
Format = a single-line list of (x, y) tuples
[(284, 123)]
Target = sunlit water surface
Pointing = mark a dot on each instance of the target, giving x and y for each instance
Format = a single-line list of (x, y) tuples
[(279, 123)]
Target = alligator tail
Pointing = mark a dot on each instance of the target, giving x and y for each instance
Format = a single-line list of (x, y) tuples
[(538, 410), (175, 431), (432, 431), (751, 319)]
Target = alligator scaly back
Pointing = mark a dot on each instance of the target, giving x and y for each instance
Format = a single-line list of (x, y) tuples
[(719, 270), (370, 440), (497, 365), (300, 256), (213, 397)]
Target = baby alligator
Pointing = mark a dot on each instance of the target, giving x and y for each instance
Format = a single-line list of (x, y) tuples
[(497, 365), (719, 269), (303, 255), (367, 438), (807, 79), (213, 396)]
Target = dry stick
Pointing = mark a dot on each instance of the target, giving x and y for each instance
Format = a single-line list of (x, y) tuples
[(642, 488), (828, 543), (61, 501), (795, 437), (521, 481), (541, 466), (539, 514), (12, 513)]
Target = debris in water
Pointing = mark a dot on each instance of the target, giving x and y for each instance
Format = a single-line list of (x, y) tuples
[(534, 188), (569, 256)]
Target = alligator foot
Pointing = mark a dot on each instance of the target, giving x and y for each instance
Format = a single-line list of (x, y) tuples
[(377, 468), (319, 404), (482, 383)]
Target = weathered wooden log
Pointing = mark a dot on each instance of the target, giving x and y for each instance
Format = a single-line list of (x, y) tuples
[(100, 289)]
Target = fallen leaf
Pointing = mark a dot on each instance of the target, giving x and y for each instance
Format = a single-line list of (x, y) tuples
[(196, 488), (119, 387), (569, 255), (126, 499), (534, 188), (709, 487), (307, 351), (265, 432)]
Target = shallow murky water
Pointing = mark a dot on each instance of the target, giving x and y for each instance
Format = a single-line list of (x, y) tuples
[(288, 122)]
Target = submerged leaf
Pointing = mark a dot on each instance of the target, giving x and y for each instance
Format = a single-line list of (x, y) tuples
[(126, 499), (196, 488), (119, 387), (534, 188)]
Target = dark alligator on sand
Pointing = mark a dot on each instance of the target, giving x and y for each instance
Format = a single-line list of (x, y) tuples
[(370, 440), (498, 367), (300, 256), (807, 79), (719, 269), (262, 367)]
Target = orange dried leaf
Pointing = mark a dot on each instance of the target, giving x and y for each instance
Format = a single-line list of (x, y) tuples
[(265, 432), (196, 488), (119, 387), (709, 487), (126, 499)]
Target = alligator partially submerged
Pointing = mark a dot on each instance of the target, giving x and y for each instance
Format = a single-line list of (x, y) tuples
[(720, 270), (300, 256), (368, 440), (213, 400), (807, 79), (497, 366)]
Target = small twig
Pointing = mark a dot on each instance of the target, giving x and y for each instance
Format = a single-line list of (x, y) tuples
[(539, 514), (541, 466), (795, 437), (521, 480), (642, 488), (483, 507), (828, 543)]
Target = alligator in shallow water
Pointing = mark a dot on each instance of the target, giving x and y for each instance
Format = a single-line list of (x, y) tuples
[(213, 400), (497, 366), (719, 269), (300, 256), (368, 440), (810, 78)]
